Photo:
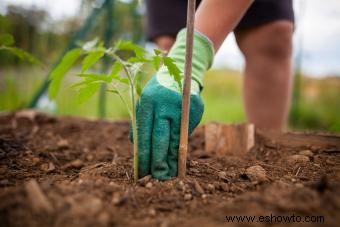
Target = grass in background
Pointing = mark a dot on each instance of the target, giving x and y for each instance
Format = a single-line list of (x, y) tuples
[(319, 105), (222, 95)]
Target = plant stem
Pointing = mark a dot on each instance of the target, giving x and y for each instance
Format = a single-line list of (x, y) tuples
[(134, 124), (134, 119), (135, 141)]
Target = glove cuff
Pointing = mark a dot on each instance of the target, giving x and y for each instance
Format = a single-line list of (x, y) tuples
[(202, 58)]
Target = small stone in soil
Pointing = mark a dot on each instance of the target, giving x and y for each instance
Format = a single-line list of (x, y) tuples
[(224, 187), (307, 153), (194, 170), (74, 164), (211, 187), (224, 176), (187, 197), (35, 160), (181, 186), (63, 144), (47, 167), (148, 185), (194, 163), (152, 212), (114, 185), (204, 196), (256, 173), (299, 185), (118, 199), (315, 148), (143, 181), (293, 159)]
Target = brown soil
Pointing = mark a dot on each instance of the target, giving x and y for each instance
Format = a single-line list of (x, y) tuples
[(83, 169)]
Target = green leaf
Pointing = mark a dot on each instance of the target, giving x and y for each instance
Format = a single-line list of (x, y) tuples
[(157, 52), (138, 89), (61, 69), (124, 81), (156, 61), (114, 91), (115, 70), (136, 68), (138, 60), (90, 44), (23, 55), (174, 71), (137, 83), (128, 45), (91, 59), (87, 92), (91, 77), (81, 83), (6, 39)]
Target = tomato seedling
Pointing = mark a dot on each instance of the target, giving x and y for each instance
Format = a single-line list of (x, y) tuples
[(126, 72)]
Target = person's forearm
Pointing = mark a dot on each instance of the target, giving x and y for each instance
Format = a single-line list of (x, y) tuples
[(216, 18)]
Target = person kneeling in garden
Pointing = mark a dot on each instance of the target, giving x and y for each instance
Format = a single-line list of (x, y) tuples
[(263, 30)]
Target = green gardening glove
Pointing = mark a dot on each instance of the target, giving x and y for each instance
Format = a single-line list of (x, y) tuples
[(159, 110)]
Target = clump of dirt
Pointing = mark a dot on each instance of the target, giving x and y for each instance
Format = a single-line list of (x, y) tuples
[(67, 171)]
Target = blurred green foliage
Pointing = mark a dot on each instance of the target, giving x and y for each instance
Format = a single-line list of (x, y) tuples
[(36, 33), (319, 107)]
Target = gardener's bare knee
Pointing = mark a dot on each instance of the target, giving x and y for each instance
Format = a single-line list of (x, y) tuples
[(164, 42), (271, 42)]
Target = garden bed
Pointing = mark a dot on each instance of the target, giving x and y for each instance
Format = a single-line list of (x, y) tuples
[(68, 171)]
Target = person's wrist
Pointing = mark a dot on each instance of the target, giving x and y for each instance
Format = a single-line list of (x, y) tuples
[(202, 58)]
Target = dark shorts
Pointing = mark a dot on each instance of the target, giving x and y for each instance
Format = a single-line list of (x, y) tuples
[(167, 17)]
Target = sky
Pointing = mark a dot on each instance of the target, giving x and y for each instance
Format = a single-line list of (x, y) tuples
[(317, 25)]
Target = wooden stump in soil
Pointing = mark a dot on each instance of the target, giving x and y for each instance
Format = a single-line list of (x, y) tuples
[(223, 139)]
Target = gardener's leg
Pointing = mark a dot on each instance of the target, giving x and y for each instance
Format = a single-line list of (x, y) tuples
[(268, 72)]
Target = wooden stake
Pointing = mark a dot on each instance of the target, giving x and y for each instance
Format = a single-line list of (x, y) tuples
[(183, 144)]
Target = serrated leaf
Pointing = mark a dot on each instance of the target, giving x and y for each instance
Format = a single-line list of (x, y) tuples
[(157, 52), (173, 70), (85, 82), (87, 92), (90, 44), (23, 55), (156, 61), (115, 70), (6, 39), (61, 69), (91, 59), (128, 45), (138, 60), (81, 83), (91, 77)]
